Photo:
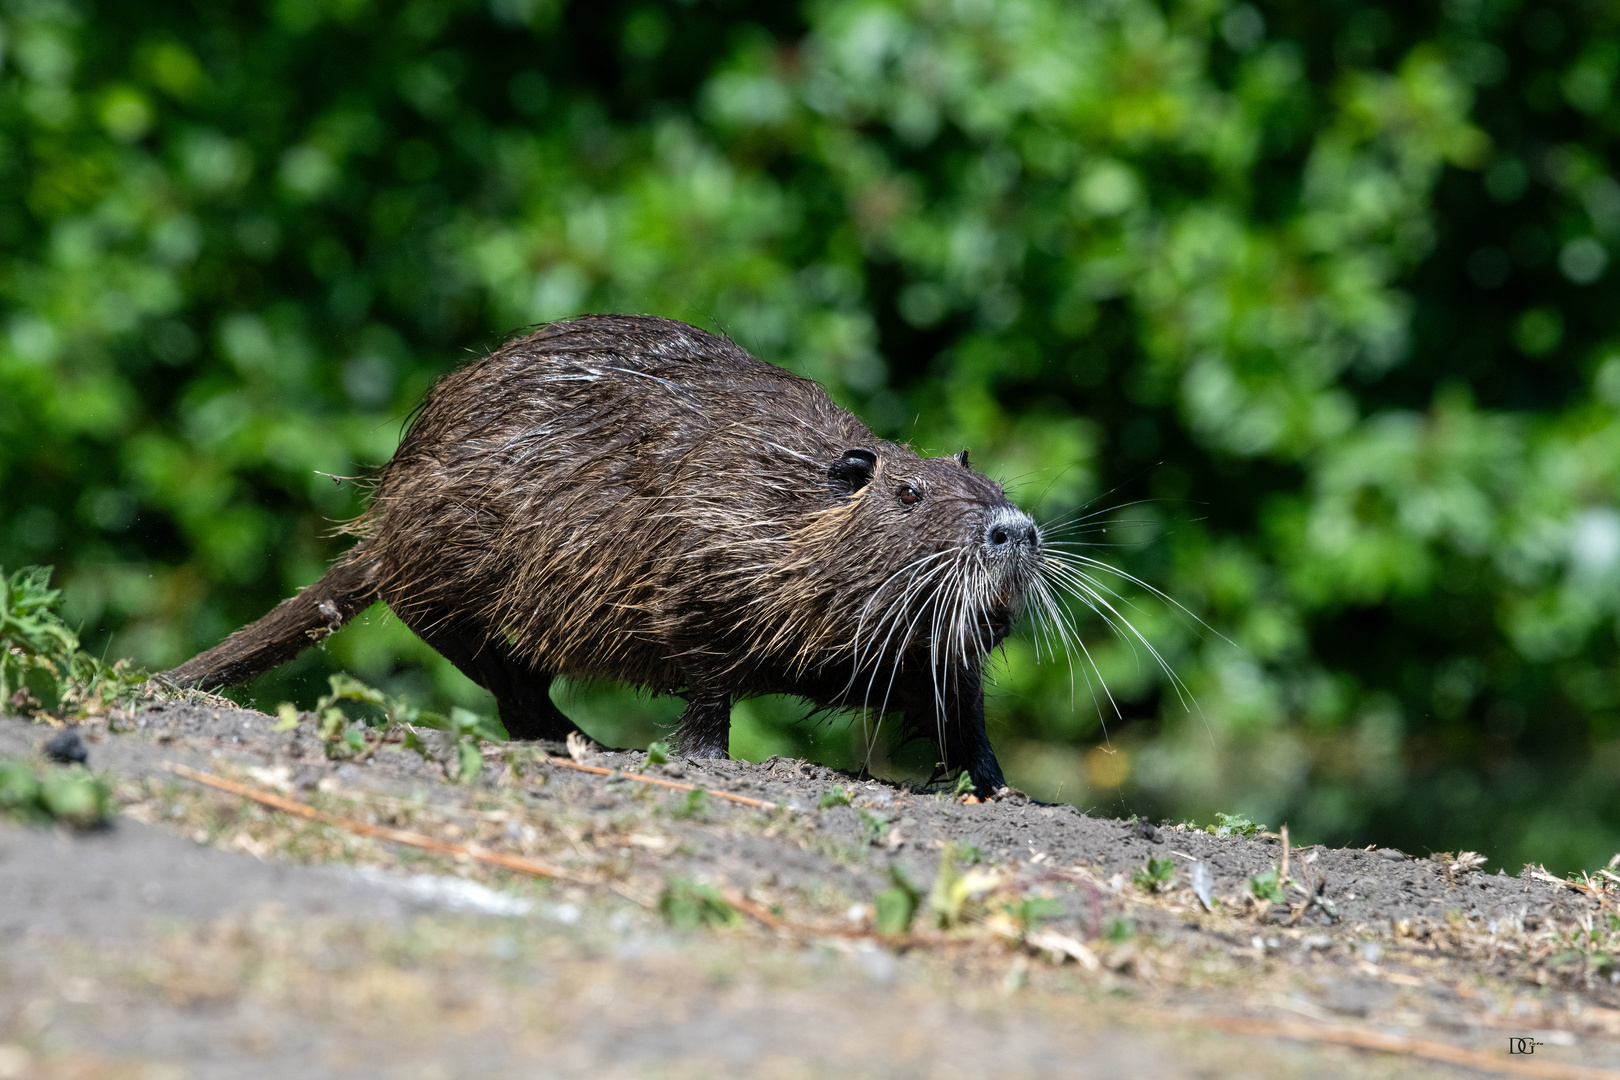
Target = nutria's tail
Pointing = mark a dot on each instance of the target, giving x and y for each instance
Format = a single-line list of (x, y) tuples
[(291, 627)]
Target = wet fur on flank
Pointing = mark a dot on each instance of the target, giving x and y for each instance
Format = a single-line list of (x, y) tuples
[(632, 498)]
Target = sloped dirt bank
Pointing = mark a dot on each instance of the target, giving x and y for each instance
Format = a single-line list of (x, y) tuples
[(208, 934)]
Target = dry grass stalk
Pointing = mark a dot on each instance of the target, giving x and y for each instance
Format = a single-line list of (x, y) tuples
[(532, 867)]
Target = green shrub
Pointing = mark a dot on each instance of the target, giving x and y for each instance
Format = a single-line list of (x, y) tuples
[(42, 667)]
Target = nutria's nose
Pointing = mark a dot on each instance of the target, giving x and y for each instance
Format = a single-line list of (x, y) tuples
[(1009, 531)]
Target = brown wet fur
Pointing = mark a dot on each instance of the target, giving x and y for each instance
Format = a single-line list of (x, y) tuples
[(632, 498)]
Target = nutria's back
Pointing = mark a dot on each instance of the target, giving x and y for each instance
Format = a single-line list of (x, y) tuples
[(598, 490)]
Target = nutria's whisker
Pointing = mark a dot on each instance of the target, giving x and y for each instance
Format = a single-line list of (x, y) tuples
[(1091, 593), (1073, 558), (1059, 526), (914, 567), (1071, 639)]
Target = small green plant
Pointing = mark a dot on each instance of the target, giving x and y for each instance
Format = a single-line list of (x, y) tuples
[(343, 737), (1159, 875), (1266, 887), (69, 794), (968, 853), (1031, 910), (838, 796), (696, 801), (286, 717), (873, 826), (42, 668), (894, 908), (687, 905), (1593, 943), (964, 785), (1119, 931), (957, 894), (340, 737), (463, 729), (657, 754), (1234, 825)]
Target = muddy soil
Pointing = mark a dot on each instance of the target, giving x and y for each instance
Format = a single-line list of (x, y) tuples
[(205, 934)]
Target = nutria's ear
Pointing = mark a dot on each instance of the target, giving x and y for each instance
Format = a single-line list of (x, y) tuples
[(962, 459), (852, 472)]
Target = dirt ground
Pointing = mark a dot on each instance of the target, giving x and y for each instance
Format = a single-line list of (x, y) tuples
[(205, 934)]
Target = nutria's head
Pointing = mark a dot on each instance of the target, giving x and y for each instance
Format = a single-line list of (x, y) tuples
[(950, 557)]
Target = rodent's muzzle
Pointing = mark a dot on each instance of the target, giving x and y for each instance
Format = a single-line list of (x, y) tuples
[(1012, 552), (1011, 531)]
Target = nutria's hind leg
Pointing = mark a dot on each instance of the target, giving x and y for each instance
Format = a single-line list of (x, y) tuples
[(704, 730), (526, 708), (522, 691)]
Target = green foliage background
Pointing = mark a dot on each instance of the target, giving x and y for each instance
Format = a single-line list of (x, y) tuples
[(1306, 303)]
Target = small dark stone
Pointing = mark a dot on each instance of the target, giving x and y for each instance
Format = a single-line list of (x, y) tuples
[(66, 748), (1148, 831)]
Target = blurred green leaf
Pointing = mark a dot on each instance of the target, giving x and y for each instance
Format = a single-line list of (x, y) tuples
[(68, 794), (894, 908), (687, 905)]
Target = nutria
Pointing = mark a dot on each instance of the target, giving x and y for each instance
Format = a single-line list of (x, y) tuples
[(634, 498)]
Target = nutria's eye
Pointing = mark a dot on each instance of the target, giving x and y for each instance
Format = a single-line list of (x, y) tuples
[(852, 472), (909, 495)]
